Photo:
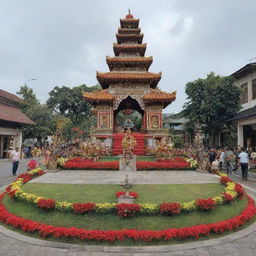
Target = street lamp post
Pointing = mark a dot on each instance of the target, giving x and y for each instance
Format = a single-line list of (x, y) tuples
[(31, 79)]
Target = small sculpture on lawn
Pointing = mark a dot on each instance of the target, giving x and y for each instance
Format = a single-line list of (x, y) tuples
[(127, 199), (126, 184)]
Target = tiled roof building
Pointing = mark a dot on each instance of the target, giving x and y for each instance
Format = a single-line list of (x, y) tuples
[(11, 121)]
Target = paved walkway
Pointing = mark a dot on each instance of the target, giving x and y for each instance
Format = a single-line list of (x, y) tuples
[(239, 243), (116, 177)]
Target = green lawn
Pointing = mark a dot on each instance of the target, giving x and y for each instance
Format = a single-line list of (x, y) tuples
[(116, 158), (148, 193), (112, 221)]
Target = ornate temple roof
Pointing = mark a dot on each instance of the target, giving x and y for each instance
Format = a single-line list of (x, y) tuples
[(118, 77), (99, 96), (141, 48), (129, 61), (131, 21), (158, 96), (128, 30), (129, 37)]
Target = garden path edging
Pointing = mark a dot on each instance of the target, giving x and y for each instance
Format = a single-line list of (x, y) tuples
[(131, 249)]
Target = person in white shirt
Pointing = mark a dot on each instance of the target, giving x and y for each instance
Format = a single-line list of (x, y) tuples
[(244, 162), (222, 158), (15, 158)]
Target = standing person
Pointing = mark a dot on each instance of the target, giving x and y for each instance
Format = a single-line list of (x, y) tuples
[(228, 157), (222, 158), (15, 158), (244, 161), (212, 155)]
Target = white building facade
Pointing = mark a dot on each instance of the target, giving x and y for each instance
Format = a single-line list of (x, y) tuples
[(245, 78)]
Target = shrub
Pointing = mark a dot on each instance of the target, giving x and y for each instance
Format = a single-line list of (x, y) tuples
[(83, 207), (170, 208), (224, 180), (31, 164), (239, 189), (205, 204), (46, 204), (127, 210), (227, 197)]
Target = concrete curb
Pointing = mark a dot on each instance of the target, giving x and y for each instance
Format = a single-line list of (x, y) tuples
[(129, 249)]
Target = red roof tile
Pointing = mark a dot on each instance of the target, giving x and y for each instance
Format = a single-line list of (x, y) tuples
[(110, 77), (13, 114), (102, 95), (156, 95), (9, 96)]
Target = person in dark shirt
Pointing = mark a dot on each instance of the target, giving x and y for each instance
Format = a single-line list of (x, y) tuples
[(212, 155)]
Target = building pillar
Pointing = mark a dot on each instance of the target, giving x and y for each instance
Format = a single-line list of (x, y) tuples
[(240, 135)]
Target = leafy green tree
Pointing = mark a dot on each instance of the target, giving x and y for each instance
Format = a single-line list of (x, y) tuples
[(44, 126), (28, 97), (39, 113), (70, 103), (211, 101)]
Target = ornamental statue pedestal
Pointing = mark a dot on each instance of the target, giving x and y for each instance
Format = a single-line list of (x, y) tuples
[(127, 163)]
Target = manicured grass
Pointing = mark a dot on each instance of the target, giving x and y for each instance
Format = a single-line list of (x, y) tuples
[(116, 158), (148, 193), (113, 222)]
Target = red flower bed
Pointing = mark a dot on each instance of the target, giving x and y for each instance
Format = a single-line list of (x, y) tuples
[(83, 207), (80, 163), (46, 204), (32, 164), (127, 210), (227, 197), (170, 208), (10, 192), (122, 193), (177, 163), (25, 176), (239, 189), (40, 172), (120, 235), (205, 204), (224, 180)]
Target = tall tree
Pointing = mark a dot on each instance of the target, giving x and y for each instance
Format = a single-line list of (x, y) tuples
[(41, 114), (70, 103), (28, 97), (211, 101), (44, 120)]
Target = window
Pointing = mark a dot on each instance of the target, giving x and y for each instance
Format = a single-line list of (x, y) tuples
[(244, 93), (254, 89)]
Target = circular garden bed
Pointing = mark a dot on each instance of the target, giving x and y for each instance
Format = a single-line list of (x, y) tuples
[(39, 209)]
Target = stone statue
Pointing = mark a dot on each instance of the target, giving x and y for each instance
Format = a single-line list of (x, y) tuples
[(202, 156)]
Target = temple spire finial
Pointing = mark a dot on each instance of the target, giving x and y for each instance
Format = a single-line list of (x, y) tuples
[(129, 15)]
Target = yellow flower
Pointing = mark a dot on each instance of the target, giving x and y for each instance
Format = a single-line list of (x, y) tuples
[(218, 199), (105, 207), (188, 206), (149, 208), (62, 206)]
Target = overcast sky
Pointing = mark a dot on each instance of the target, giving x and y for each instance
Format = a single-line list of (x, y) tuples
[(60, 42)]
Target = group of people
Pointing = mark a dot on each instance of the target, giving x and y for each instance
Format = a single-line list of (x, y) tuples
[(228, 160)]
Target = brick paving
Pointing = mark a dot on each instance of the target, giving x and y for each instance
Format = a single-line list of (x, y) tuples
[(239, 243)]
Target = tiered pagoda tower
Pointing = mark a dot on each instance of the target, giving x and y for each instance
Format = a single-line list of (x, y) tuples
[(129, 85)]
